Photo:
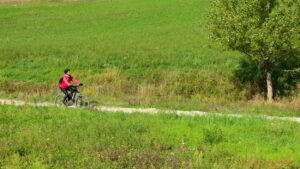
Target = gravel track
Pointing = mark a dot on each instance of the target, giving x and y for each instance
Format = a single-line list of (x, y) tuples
[(147, 110)]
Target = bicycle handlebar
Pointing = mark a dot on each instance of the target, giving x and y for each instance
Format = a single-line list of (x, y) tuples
[(76, 86)]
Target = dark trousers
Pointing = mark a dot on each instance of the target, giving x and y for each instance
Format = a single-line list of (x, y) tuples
[(67, 94)]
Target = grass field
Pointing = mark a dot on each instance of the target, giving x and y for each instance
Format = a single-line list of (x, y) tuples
[(127, 52), (138, 39), (42, 137)]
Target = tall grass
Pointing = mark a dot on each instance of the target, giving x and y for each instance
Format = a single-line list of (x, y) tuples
[(68, 138)]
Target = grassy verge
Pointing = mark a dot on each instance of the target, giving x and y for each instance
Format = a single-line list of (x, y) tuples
[(66, 138)]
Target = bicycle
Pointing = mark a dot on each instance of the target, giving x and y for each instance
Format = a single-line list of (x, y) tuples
[(74, 96)]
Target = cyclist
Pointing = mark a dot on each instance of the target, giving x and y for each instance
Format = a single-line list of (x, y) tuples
[(65, 83)]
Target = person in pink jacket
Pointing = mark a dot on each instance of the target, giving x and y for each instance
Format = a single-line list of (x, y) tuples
[(65, 83)]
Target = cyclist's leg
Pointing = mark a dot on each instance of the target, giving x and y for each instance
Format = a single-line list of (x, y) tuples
[(65, 92), (71, 91)]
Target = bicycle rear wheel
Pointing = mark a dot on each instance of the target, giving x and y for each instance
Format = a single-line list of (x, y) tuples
[(82, 101)]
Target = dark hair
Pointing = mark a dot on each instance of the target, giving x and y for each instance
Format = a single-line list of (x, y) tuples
[(66, 70)]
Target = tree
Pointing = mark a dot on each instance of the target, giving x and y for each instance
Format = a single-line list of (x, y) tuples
[(264, 30)]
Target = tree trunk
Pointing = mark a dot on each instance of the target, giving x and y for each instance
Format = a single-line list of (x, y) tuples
[(269, 83)]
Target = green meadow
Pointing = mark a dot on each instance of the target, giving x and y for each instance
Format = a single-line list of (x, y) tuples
[(138, 38), (47, 137), (133, 53), (153, 53)]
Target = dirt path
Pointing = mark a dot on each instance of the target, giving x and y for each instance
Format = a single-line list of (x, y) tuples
[(147, 110)]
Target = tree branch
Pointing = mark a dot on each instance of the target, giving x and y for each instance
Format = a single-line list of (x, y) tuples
[(293, 71)]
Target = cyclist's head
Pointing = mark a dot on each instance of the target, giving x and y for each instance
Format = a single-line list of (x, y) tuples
[(67, 71)]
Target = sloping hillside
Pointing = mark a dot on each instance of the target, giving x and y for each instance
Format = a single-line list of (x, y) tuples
[(137, 52)]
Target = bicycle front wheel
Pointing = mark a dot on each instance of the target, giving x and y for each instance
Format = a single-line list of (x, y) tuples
[(82, 101)]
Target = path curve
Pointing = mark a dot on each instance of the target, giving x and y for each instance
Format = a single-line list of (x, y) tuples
[(147, 110)]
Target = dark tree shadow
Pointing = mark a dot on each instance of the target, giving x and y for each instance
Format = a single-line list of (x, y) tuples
[(250, 76)]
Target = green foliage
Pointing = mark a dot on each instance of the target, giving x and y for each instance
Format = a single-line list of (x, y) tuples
[(45, 137), (262, 29)]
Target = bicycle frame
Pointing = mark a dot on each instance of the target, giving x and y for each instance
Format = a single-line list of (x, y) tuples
[(74, 96), (74, 92)]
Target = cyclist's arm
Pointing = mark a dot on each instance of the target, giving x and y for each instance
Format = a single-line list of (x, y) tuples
[(75, 81)]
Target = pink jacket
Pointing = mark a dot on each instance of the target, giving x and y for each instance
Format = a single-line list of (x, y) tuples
[(66, 81)]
